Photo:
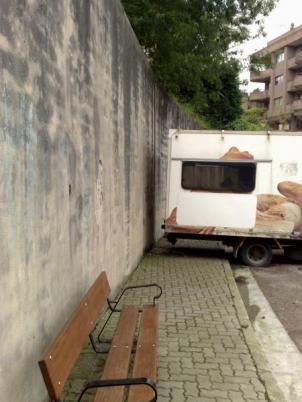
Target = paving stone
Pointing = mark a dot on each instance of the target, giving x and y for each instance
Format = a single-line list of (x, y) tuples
[(248, 391), (195, 371), (163, 374), (215, 376), (177, 395), (214, 393), (236, 396), (163, 392), (261, 396), (204, 381), (175, 368), (226, 370), (164, 399), (187, 362), (225, 386), (258, 386), (211, 366), (247, 373), (237, 380), (261, 399), (191, 389), (172, 384)]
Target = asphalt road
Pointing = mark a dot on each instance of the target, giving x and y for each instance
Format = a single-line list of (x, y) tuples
[(281, 284)]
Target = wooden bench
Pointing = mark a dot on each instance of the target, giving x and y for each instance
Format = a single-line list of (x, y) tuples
[(60, 357)]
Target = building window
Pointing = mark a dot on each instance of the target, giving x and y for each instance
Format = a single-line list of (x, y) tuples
[(299, 72), (278, 101), (279, 79), (280, 56), (220, 176), (298, 96)]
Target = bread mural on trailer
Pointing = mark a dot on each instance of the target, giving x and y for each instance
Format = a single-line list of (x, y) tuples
[(292, 191), (234, 154), (274, 212)]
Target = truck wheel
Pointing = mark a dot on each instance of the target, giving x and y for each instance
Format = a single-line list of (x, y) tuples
[(256, 254), (293, 252)]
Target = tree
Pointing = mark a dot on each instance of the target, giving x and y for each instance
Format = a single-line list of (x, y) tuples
[(188, 44), (260, 61), (224, 105)]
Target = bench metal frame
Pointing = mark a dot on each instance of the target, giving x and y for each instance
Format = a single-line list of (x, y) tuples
[(112, 304), (119, 383)]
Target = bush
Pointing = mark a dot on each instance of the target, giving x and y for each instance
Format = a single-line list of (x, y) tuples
[(250, 120)]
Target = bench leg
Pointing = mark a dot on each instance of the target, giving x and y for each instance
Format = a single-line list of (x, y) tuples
[(94, 347), (120, 383)]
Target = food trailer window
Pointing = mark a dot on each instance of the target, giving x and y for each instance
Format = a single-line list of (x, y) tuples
[(220, 176)]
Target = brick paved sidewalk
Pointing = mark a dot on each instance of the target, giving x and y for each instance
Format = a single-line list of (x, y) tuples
[(207, 351)]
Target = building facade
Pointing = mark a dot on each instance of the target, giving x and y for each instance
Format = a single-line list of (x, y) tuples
[(282, 95)]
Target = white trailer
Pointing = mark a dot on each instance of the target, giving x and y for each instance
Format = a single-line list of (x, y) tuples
[(242, 188)]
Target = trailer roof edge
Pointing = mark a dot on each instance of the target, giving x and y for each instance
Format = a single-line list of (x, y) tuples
[(222, 132)]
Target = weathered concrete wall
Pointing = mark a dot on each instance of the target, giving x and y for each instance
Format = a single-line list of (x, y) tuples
[(83, 141)]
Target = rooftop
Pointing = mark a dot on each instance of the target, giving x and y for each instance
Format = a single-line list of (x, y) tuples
[(289, 38)]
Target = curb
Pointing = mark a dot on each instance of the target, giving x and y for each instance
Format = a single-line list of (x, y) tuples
[(274, 393)]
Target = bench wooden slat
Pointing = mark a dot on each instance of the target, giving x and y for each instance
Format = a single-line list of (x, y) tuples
[(58, 360), (145, 358), (118, 359)]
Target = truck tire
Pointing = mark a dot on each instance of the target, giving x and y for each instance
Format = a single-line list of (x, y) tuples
[(256, 253), (294, 253)]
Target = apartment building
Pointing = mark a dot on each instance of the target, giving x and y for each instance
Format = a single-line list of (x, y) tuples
[(282, 95)]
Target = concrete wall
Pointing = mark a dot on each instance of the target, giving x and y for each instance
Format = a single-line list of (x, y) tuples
[(83, 141)]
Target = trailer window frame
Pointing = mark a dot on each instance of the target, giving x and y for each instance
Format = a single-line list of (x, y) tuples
[(246, 183)]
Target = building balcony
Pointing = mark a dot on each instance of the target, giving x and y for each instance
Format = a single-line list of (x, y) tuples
[(259, 96), (292, 63), (295, 84), (295, 62), (297, 106), (261, 76)]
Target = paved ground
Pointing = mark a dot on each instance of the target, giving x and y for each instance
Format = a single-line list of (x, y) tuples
[(207, 350), (281, 284)]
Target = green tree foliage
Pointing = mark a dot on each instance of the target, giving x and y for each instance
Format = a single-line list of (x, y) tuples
[(188, 43), (250, 120), (224, 105), (260, 62)]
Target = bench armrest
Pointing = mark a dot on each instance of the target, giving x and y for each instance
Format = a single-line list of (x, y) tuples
[(119, 383), (150, 285), (112, 304)]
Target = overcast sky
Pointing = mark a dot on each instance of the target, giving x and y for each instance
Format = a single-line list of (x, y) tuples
[(277, 23)]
